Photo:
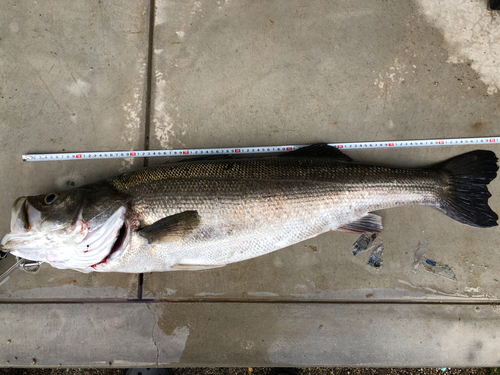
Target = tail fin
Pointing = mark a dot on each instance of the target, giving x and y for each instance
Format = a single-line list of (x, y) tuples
[(466, 196)]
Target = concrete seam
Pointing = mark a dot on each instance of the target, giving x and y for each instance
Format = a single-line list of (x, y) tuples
[(155, 323), (149, 78), (149, 91), (72, 301)]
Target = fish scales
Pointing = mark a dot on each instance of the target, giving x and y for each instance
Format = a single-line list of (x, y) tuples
[(241, 203)]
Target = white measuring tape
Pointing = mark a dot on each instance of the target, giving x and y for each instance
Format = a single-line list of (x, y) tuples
[(254, 150)]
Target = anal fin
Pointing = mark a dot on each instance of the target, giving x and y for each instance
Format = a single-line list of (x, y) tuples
[(368, 223)]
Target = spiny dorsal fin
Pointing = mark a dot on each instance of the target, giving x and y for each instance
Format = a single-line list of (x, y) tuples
[(319, 150), (368, 223), (171, 227)]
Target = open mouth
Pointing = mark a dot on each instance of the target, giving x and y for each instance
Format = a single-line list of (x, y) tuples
[(21, 234), (82, 246), (19, 221)]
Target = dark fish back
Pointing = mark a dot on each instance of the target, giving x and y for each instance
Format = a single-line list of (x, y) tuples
[(281, 169)]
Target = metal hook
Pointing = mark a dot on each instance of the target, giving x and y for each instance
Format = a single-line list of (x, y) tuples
[(25, 264), (32, 267)]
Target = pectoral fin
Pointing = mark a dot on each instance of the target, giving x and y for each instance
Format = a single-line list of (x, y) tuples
[(368, 223), (171, 227)]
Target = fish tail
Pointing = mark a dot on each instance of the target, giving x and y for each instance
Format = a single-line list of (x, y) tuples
[(465, 197)]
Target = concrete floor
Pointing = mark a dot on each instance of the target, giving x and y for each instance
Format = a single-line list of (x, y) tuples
[(235, 73)]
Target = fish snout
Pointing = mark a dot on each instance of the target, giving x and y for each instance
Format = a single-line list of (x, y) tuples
[(24, 217), (19, 221), (19, 224)]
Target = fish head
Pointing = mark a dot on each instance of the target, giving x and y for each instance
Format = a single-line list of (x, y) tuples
[(76, 229)]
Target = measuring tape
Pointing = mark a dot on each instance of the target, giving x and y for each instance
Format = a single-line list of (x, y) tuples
[(254, 150)]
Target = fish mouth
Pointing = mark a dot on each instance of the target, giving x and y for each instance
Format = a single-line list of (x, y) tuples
[(87, 247), (19, 221), (23, 218)]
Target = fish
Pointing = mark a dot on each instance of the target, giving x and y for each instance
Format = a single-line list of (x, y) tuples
[(210, 212)]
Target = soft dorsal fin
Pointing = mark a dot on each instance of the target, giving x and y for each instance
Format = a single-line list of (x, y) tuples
[(319, 150), (171, 227)]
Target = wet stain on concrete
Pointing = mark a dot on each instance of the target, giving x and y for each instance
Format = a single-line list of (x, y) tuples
[(474, 351)]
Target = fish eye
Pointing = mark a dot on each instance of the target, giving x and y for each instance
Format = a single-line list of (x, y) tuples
[(50, 198)]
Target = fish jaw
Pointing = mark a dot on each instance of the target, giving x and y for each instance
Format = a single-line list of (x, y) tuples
[(82, 247), (29, 231), (19, 221)]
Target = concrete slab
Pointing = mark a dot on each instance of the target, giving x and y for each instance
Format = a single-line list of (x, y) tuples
[(254, 73), (72, 79), (230, 73), (249, 334), (51, 284)]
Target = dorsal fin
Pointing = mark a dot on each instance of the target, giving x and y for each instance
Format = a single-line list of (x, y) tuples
[(319, 150)]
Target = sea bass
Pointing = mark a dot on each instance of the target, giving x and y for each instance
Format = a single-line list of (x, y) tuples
[(207, 213)]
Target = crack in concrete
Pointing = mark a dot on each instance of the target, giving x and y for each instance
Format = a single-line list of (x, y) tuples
[(155, 323)]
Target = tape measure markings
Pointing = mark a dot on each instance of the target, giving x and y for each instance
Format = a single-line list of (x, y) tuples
[(255, 150)]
